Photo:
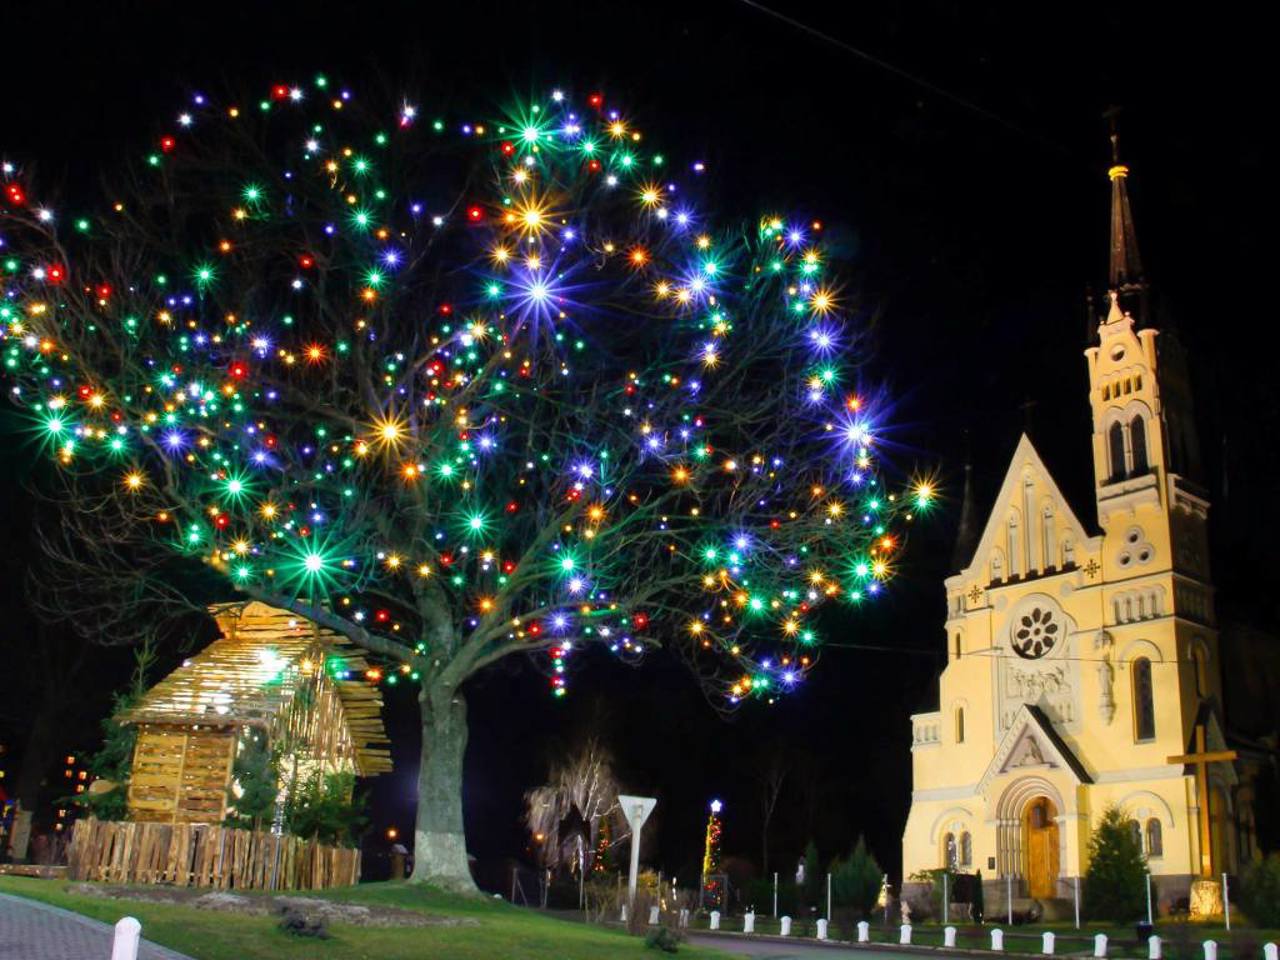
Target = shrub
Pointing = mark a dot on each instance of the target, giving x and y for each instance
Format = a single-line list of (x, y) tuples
[(758, 895), (1115, 883), (1260, 891), (662, 938)]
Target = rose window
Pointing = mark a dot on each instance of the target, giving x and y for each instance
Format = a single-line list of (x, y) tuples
[(1035, 634)]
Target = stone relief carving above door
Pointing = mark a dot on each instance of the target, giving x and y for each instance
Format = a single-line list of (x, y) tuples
[(1036, 666)]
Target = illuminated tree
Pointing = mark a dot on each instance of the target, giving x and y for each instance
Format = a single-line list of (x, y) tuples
[(581, 795), (458, 389)]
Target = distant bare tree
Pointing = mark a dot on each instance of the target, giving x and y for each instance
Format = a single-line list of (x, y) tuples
[(770, 777)]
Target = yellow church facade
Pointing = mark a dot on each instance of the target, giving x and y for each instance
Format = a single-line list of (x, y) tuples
[(1083, 656)]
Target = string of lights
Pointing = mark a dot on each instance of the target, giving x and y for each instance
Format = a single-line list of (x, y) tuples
[(459, 388)]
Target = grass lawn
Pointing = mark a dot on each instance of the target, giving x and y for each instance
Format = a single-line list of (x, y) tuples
[(501, 931)]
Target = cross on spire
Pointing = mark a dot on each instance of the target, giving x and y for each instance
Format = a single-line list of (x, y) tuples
[(1125, 276)]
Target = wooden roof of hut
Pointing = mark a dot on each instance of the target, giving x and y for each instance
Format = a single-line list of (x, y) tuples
[(252, 673)]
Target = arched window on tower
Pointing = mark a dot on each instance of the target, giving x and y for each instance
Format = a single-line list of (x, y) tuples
[(959, 724), (949, 852), (1115, 447), (966, 849), (1144, 707), (1138, 444), (1155, 838)]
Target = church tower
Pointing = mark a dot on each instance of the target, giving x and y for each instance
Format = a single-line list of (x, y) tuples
[(1082, 664)]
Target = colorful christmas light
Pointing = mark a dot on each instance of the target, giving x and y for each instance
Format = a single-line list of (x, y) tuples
[(502, 383)]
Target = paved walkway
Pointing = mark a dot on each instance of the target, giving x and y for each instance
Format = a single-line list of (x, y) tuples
[(30, 930)]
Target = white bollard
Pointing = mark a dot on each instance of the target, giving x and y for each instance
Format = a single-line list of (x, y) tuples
[(125, 946), (864, 932), (715, 919), (904, 936), (1153, 947), (1210, 950), (1047, 947), (997, 939), (749, 923), (623, 917), (1100, 945), (948, 936), (1270, 952), (653, 916), (786, 926), (684, 917), (822, 929)]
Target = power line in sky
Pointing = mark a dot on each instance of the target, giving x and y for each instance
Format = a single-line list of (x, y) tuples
[(919, 81)]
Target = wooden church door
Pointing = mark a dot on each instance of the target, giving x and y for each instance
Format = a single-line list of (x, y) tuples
[(1042, 849)]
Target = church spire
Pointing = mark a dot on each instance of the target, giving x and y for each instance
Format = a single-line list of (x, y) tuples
[(967, 530), (1125, 279)]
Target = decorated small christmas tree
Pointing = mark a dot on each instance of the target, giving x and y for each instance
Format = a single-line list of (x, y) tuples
[(602, 860)]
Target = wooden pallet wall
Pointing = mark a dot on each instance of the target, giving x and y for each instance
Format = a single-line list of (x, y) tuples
[(181, 773)]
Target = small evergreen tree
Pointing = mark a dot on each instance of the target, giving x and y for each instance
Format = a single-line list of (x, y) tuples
[(326, 810), (112, 763), (1260, 891), (855, 881), (1115, 883), (255, 773)]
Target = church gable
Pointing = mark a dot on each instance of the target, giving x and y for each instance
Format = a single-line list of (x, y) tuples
[(1031, 530), (1031, 744)]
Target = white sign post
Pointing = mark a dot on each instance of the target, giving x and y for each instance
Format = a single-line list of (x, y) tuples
[(636, 810)]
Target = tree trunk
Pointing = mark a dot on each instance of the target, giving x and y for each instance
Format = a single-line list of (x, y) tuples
[(36, 760), (440, 842)]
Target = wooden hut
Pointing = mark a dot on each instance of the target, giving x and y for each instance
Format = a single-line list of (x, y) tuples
[(271, 674)]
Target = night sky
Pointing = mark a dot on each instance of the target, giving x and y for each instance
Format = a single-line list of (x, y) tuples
[(971, 205)]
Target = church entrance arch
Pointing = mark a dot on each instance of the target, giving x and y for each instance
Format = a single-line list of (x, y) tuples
[(1040, 830), (1028, 815)]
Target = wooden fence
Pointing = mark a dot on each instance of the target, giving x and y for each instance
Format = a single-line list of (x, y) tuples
[(205, 855)]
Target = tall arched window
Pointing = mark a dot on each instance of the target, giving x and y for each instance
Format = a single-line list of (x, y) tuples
[(966, 849), (1115, 445), (957, 646), (959, 724), (1155, 838), (949, 851), (1138, 445), (1144, 707)]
